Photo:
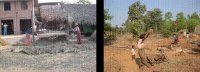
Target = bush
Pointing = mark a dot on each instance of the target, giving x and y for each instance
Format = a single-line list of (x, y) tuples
[(166, 33), (110, 35)]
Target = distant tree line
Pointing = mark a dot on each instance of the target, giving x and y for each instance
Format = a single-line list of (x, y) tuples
[(140, 20)]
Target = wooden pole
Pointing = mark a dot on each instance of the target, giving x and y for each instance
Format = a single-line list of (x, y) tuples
[(33, 21)]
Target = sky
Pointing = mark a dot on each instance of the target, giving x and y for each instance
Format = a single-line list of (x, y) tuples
[(68, 1), (119, 8)]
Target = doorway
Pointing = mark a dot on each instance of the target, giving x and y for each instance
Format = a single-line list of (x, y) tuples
[(24, 25), (10, 28)]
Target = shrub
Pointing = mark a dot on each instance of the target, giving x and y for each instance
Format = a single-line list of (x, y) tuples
[(110, 35), (166, 33)]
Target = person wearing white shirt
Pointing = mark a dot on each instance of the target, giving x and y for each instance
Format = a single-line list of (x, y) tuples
[(141, 50)]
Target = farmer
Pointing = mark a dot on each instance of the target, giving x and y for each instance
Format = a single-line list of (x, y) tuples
[(78, 32), (28, 39), (175, 39), (141, 51), (187, 36), (184, 33), (5, 28)]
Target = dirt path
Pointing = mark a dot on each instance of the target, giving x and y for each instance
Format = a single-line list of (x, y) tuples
[(120, 53)]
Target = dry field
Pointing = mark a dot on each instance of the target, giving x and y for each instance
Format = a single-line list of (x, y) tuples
[(117, 55)]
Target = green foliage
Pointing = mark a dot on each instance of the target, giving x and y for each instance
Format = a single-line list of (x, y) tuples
[(167, 28), (193, 20), (153, 19), (107, 17), (135, 11), (166, 33), (181, 21), (135, 17), (168, 16), (110, 35), (195, 16), (192, 23), (133, 26), (168, 24), (107, 27)]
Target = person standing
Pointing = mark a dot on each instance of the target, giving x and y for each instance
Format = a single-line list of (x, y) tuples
[(28, 38), (141, 51), (188, 37), (78, 33), (174, 39), (5, 29)]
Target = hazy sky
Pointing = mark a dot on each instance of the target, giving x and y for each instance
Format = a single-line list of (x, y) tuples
[(119, 8), (68, 1)]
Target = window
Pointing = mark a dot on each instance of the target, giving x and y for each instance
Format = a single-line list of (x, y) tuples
[(24, 5), (6, 6)]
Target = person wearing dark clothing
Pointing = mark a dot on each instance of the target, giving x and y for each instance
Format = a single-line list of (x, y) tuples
[(29, 30)]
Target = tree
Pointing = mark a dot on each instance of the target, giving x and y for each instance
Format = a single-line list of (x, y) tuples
[(168, 23), (107, 17), (192, 23), (194, 16), (84, 2), (153, 19), (136, 11), (181, 21), (193, 20), (168, 16), (135, 15)]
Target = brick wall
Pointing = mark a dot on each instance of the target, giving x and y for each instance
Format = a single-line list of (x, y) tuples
[(16, 13)]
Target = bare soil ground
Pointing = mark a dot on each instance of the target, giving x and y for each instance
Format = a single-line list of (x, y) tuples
[(117, 55), (45, 57)]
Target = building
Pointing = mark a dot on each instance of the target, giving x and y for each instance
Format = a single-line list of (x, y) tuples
[(83, 14), (17, 14)]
